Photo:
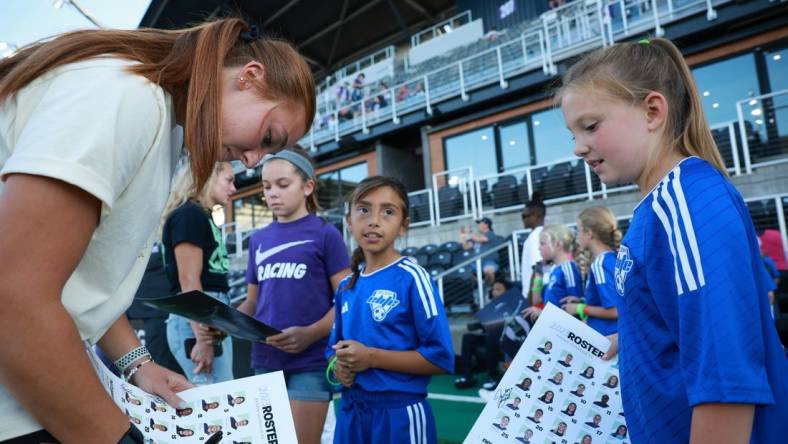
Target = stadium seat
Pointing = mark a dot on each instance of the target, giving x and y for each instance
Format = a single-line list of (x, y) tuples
[(505, 192), (461, 256), (428, 249), (410, 251), (419, 208), (441, 259), (422, 259), (451, 247), (450, 201)]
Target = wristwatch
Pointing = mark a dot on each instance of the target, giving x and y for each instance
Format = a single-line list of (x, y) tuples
[(132, 436)]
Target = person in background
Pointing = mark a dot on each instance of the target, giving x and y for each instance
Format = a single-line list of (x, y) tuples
[(533, 217), (295, 265), (481, 242), (195, 258), (490, 341)]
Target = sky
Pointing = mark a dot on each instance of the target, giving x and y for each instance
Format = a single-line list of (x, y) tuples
[(25, 21)]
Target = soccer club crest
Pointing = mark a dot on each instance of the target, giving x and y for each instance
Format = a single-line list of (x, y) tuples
[(381, 302), (623, 267)]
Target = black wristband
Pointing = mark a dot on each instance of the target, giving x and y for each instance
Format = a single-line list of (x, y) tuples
[(132, 436)]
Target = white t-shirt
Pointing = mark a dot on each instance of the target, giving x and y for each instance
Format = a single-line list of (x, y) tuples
[(112, 134), (529, 258)]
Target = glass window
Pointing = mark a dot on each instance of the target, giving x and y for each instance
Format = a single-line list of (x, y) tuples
[(723, 83), (475, 148), (552, 141), (335, 187), (777, 67), (515, 149), (250, 212)]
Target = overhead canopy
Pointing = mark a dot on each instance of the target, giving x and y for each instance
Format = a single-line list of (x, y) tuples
[(328, 33)]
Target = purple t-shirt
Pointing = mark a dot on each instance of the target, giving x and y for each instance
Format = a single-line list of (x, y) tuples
[(292, 263)]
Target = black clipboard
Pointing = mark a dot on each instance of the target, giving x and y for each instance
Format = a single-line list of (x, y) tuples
[(199, 307)]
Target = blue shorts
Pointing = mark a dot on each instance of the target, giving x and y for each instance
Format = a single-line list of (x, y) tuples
[(304, 386), (384, 417)]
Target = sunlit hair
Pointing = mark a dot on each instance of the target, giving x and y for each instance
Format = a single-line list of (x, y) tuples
[(602, 222), (183, 189), (312, 204), (187, 63), (559, 234), (629, 71), (365, 187)]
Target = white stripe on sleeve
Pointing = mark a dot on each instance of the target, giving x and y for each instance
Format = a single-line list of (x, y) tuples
[(677, 235), (663, 218), (422, 296), (687, 219)]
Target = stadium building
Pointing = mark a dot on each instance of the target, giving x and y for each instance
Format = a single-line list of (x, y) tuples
[(454, 98)]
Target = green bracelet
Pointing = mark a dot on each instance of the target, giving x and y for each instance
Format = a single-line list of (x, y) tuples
[(581, 311), (330, 372)]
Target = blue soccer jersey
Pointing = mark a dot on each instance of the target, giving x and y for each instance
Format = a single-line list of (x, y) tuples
[(694, 320), (564, 281), (395, 308), (601, 291)]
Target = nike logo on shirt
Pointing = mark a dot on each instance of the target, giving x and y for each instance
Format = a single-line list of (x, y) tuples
[(260, 256)]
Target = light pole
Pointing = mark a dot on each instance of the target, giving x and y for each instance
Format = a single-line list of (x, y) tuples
[(60, 3)]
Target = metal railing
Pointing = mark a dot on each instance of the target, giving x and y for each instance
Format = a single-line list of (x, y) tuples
[(558, 34), (763, 125), (434, 31), (462, 285), (422, 208), (454, 194)]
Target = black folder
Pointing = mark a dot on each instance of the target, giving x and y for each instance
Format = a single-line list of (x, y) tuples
[(199, 307)]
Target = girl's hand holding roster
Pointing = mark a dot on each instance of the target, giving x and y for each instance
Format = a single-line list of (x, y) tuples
[(157, 380), (354, 355)]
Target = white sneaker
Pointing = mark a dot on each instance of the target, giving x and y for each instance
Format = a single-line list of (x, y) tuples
[(486, 395)]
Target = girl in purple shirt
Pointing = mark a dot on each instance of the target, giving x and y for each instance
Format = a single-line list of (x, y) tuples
[(295, 265)]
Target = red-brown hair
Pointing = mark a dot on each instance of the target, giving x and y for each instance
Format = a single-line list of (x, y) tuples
[(187, 63)]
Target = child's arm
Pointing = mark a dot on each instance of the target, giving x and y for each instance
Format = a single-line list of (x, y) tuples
[(249, 305), (296, 339), (593, 311), (357, 357), (721, 423)]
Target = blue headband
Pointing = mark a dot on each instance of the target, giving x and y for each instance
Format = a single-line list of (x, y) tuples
[(301, 162)]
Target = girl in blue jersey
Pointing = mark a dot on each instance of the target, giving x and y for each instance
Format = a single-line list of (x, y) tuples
[(555, 244), (597, 233), (390, 330), (295, 265), (700, 360)]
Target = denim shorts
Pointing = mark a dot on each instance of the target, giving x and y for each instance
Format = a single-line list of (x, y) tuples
[(304, 386), (179, 329)]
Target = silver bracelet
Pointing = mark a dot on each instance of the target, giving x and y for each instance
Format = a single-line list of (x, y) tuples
[(126, 360), (136, 369)]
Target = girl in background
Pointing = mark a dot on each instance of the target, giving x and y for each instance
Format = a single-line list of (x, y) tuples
[(555, 244), (597, 233), (391, 331), (295, 264), (696, 335), (195, 258)]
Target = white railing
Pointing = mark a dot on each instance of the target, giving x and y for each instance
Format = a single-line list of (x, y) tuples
[(454, 194), (558, 34), (458, 20), (422, 208), (763, 141), (467, 288)]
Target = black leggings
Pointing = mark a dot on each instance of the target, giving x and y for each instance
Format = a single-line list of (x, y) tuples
[(492, 351)]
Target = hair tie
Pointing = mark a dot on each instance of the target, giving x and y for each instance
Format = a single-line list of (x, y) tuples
[(644, 41), (251, 35)]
